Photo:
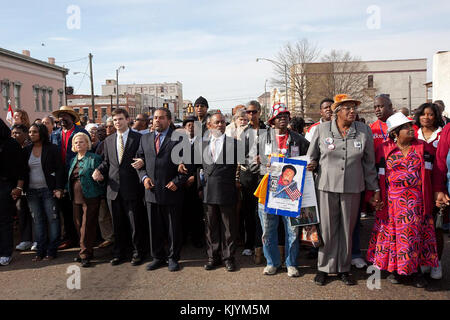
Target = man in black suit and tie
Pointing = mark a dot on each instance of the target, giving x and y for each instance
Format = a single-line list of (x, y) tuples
[(122, 187), (220, 194), (163, 191)]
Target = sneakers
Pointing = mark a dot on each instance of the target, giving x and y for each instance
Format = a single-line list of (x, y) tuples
[(270, 270), (34, 246), (359, 263), (24, 246), (247, 252), (4, 261), (363, 215), (436, 273), (293, 272)]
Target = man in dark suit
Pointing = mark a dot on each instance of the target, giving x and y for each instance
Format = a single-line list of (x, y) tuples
[(163, 191), (122, 187), (220, 194)]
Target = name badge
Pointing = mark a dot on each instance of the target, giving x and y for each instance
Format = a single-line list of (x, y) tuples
[(381, 171), (295, 152), (435, 143), (428, 165), (357, 144)]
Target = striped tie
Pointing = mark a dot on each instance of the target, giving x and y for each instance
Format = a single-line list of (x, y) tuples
[(121, 147), (158, 142)]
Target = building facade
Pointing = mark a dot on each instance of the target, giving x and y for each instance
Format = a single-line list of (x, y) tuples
[(36, 86), (170, 92), (403, 80), (441, 78), (104, 106)]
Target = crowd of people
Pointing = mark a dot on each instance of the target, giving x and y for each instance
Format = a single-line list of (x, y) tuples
[(149, 187)]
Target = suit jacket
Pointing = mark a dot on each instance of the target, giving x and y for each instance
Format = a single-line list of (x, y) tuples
[(346, 165), (219, 182), (52, 167), (56, 138), (121, 177), (161, 169)]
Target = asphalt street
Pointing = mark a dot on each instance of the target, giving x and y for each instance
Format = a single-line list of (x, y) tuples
[(24, 279)]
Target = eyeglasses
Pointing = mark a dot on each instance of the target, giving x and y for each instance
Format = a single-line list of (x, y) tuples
[(251, 111), (348, 108)]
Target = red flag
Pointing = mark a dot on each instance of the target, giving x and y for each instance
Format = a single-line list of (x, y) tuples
[(10, 114)]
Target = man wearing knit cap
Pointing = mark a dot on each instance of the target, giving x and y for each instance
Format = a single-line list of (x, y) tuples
[(201, 110)]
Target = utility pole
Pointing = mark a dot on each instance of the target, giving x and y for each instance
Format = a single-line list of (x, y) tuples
[(92, 86)]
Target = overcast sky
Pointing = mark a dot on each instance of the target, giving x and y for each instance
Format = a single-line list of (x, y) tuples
[(211, 46)]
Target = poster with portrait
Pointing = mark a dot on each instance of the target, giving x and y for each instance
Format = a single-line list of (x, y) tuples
[(285, 186)]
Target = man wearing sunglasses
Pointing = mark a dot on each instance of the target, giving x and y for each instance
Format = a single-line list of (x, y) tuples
[(141, 124)]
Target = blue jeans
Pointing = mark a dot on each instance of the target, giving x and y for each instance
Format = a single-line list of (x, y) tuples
[(269, 224), (46, 219)]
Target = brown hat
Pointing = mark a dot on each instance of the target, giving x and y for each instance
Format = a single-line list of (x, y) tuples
[(66, 109), (340, 99)]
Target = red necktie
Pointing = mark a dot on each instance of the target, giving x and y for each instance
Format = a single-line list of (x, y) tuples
[(157, 143)]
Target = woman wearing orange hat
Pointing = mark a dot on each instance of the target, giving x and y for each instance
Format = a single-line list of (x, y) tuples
[(342, 152)]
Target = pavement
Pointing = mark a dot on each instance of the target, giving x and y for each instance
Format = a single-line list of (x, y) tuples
[(48, 280)]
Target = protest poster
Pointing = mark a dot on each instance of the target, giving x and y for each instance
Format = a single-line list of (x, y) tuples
[(285, 186)]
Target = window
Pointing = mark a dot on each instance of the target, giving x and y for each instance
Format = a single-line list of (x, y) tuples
[(44, 99), (77, 110), (5, 92), (60, 97), (370, 82), (50, 102), (95, 114), (36, 98), (103, 112), (162, 89), (17, 87)]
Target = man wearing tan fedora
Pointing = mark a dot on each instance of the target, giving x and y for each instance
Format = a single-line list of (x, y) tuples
[(62, 138)]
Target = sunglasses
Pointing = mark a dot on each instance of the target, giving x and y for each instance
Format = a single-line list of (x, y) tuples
[(251, 111)]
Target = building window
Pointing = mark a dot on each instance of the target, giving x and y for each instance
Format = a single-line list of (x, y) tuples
[(50, 102), (95, 114), (44, 99), (77, 110), (5, 92), (60, 97), (36, 98), (103, 112), (370, 82), (17, 87)]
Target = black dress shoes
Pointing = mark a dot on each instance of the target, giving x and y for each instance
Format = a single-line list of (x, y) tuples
[(346, 279), (136, 260), (173, 265), (212, 264), (156, 264), (230, 266), (320, 278), (115, 261), (85, 263)]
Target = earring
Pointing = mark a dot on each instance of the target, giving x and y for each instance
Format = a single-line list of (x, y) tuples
[(395, 139)]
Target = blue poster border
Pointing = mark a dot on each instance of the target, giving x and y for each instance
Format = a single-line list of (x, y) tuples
[(279, 212)]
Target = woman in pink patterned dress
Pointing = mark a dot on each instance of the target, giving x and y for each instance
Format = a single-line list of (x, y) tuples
[(403, 237)]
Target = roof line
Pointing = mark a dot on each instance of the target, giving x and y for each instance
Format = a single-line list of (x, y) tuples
[(32, 60)]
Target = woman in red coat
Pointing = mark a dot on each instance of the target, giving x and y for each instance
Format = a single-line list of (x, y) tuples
[(403, 236)]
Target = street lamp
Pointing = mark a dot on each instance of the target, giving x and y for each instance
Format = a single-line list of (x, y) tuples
[(285, 75), (117, 83), (92, 92)]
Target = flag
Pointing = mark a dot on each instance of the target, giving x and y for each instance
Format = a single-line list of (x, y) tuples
[(293, 192), (10, 114)]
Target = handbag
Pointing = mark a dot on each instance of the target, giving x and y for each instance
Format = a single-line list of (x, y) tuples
[(310, 236)]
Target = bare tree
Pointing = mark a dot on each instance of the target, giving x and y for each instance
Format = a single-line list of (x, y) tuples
[(348, 75), (295, 56)]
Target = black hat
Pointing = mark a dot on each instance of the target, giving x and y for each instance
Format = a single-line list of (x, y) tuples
[(202, 101), (189, 119)]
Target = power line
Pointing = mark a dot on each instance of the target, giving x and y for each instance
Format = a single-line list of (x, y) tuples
[(59, 62), (84, 76)]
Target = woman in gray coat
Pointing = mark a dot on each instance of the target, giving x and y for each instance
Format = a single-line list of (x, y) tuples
[(343, 154)]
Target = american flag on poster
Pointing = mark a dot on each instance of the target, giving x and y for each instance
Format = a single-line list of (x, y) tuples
[(10, 114), (293, 192)]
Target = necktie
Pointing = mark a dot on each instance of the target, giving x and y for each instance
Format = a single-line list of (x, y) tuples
[(213, 149), (121, 147), (157, 142)]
